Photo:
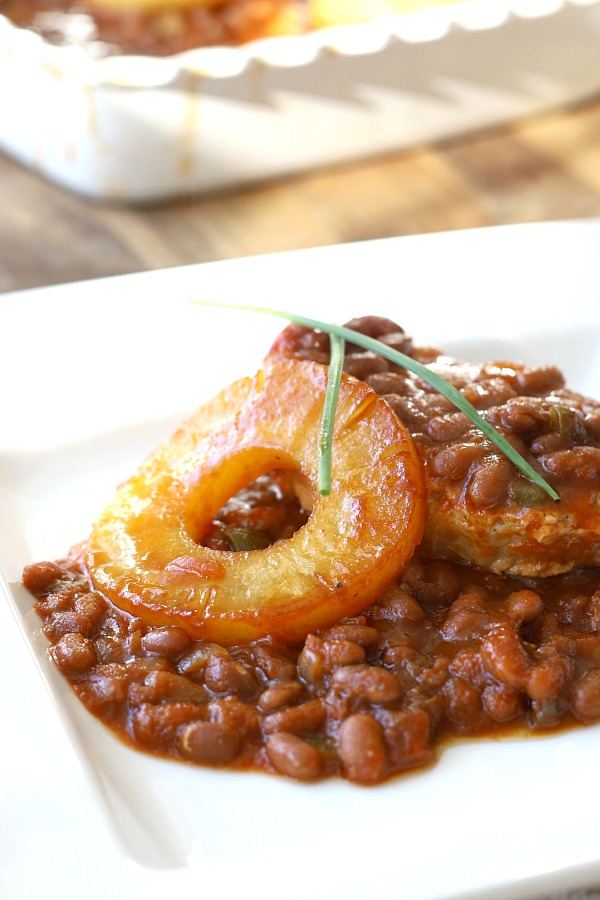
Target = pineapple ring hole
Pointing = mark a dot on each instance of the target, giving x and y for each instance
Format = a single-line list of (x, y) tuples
[(268, 509), (225, 477)]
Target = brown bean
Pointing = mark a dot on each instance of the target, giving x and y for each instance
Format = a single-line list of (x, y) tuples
[(224, 675), (545, 680), (92, 605), (425, 355), (300, 338), (356, 632), (373, 685), (398, 604), (592, 424), (468, 665), (135, 641), (585, 699), (462, 704), (449, 427), (582, 463), (374, 326), (56, 601), (160, 685), (273, 664), (548, 443), (387, 383), (107, 687), (361, 748), (488, 392), (193, 663), (397, 340), (156, 726), (502, 703), (524, 417), (593, 611), (111, 648), (67, 622), (294, 757), (312, 664), (505, 657), (319, 356), (241, 717), (454, 462), (489, 483), (278, 696), (342, 653), (40, 577), (318, 657), (361, 365), (433, 673), (408, 735), (539, 380), (168, 641), (398, 654), (524, 606), (467, 617), (588, 648), (573, 608), (434, 583), (412, 414), (74, 653), (306, 718), (209, 742)]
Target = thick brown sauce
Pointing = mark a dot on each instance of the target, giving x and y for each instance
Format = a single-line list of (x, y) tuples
[(448, 651)]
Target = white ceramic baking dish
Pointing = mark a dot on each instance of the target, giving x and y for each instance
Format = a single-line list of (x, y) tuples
[(139, 129)]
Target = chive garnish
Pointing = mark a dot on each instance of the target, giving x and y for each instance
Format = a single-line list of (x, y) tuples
[(437, 382), (334, 378)]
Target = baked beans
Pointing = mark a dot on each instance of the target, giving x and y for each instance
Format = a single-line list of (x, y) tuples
[(449, 649), (446, 651)]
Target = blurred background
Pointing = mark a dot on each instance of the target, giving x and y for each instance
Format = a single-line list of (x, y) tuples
[(490, 121)]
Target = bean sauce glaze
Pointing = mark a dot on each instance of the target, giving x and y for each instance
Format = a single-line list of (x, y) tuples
[(453, 648)]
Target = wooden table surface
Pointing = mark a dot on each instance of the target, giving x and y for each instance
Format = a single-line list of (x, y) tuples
[(545, 168), (541, 169)]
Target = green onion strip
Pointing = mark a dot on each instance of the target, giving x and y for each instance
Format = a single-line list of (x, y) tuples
[(334, 379), (438, 382)]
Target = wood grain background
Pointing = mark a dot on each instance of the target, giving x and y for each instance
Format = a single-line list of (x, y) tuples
[(544, 168)]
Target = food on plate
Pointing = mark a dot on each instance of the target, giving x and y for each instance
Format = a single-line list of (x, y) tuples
[(451, 640), (164, 27), (481, 508)]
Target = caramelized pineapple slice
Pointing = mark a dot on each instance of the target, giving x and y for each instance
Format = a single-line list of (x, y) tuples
[(145, 551)]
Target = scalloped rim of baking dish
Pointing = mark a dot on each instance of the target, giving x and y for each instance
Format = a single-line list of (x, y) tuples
[(281, 52)]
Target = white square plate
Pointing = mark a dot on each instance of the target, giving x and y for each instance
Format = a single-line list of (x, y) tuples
[(93, 375)]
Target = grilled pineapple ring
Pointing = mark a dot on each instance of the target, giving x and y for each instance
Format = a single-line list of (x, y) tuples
[(145, 553)]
